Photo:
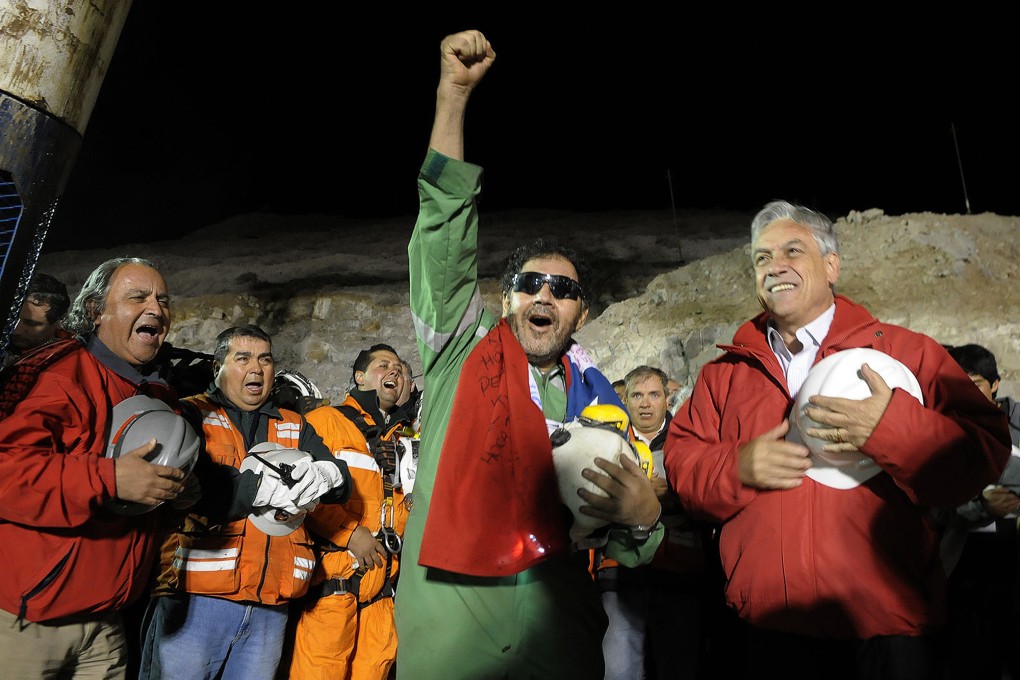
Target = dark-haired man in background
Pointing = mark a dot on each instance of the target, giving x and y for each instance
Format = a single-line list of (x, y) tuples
[(46, 301), (489, 587), (979, 552)]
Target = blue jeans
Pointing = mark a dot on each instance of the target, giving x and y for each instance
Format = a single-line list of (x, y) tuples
[(195, 637)]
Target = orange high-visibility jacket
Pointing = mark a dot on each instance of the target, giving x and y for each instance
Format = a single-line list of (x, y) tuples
[(235, 560)]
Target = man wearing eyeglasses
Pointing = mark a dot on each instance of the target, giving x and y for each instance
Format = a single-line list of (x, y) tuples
[(490, 586)]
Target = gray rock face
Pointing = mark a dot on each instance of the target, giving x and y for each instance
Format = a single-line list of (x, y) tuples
[(672, 286), (952, 277)]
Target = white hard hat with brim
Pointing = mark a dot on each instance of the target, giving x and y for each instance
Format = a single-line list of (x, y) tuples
[(838, 375), (139, 419), (269, 459)]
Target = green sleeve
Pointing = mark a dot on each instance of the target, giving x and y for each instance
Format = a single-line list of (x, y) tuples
[(447, 309), (446, 303), (630, 553)]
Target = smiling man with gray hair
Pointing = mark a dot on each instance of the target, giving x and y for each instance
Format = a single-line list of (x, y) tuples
[(838, 577)]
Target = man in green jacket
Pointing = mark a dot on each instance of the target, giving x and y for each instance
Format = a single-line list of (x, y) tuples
[(491, 587)]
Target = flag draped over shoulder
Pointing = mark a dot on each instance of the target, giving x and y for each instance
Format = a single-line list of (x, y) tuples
[(495, 508)]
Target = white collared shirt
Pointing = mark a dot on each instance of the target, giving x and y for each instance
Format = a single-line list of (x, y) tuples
[(648, 440), (796, 366)]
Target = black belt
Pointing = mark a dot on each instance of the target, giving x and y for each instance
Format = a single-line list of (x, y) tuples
[(342, 586), (335, 586)]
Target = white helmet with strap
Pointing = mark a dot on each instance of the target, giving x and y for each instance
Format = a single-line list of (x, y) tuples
[(304, 386), (271, 459)]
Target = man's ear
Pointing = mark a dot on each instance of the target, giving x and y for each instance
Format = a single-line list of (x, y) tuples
[(359, 378), (581, 319), (832, 264), (506, 304)]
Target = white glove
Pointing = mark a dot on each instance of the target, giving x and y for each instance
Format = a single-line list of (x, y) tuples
[(273, 493), (314, 478)]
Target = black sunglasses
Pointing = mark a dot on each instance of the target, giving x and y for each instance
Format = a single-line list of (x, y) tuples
[(562, 287)]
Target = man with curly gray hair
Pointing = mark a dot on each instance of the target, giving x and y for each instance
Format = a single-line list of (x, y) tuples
[(58, 527)]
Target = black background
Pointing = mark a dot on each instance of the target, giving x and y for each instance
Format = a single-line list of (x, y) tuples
[(215, 109)]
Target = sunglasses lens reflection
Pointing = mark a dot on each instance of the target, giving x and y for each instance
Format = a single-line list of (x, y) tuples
[(562, 287)]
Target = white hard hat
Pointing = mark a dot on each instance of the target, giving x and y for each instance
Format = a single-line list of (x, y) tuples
[(838, 375), (135, 421), (303, 386), (575, 447), (269, 520)]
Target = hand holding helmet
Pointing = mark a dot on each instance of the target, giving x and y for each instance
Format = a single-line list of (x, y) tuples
[(278, 516), (600, 432), (141, 485), (838, 407), (154, 449)]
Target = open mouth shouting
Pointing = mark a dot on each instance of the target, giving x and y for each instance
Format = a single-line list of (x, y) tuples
[(149, 332), (541, 319), (390, 383), (254, 386), (541, 332)]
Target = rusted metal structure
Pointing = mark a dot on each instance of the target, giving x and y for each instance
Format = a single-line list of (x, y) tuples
[(53, 57)]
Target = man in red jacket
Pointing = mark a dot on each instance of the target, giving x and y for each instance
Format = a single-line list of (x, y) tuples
[(836, 580), (70, 564)]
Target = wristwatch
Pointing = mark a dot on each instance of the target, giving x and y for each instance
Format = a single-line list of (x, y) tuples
[(641, 532)]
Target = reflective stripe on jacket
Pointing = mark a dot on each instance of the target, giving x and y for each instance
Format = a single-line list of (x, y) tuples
[(235, 560), (367, 505)]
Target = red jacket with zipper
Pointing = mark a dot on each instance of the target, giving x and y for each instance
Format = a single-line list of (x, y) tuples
[(821, 561), (62, 553)]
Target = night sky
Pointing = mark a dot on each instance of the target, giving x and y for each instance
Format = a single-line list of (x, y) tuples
[(241, 108)]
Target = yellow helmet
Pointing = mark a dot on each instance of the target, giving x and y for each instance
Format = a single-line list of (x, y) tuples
[(645, 455), (606, 414)]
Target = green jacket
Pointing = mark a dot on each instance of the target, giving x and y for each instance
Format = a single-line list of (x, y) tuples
[(547, 621)]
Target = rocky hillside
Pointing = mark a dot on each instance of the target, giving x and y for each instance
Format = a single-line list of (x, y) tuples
[(671, 286), (952, 277)]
